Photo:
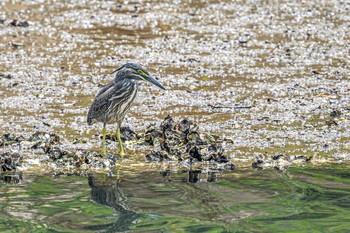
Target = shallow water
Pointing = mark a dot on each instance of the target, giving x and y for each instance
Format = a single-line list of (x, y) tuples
[(298, 200)]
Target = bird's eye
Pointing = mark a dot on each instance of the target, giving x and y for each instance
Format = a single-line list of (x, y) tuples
[(142, 73)]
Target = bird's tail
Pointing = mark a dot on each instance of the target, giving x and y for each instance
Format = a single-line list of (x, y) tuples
[(89, 121), (89, 118)]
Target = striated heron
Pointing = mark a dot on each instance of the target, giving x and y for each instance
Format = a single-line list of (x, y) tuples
[(114, 99)]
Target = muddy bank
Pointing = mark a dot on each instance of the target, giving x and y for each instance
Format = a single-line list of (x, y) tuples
[(272, 76), (170, 145)]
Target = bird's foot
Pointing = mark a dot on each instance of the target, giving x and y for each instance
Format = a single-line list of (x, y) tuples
[(103, 151), (122, 154)]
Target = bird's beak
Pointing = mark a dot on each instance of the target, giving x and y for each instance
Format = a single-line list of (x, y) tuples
[(155, 82)]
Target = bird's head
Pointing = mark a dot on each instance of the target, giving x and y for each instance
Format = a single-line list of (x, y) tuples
[(137, 72)]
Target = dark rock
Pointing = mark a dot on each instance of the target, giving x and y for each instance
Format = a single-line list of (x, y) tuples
[(156, 156), (257, 163), (167, 124), (112, 158), (195, 138), (9, 178), (335, 114), (222, 159), (15, 46), (152, 134), (182, 140), (195, 153), (45, 137), (7, 76), (56, 153), (126, 134), (276, 156), (184, 125), (230, 166), (6, 139), (16, 23)]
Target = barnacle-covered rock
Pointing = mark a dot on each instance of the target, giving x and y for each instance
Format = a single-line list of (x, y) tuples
[(9, 139), (126, 134), (56, 153), (167, 124), (182, 141), (153, 135), (157, 156), (184, 126), (45, 137)]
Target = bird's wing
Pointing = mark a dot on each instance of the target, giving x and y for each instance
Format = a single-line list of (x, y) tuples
[(105, 88), (109, 94), (101, 102)]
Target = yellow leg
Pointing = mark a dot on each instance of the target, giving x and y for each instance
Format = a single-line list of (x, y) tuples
[(118, 178), (121, 149), (104, 131)]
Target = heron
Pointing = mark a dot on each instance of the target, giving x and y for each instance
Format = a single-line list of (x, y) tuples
[(113, 100)]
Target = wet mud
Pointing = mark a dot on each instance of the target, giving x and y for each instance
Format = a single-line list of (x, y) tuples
[(270, 79)]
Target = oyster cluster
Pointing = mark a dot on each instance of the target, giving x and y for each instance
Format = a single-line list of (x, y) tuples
[(176, 141), (49, 145), (181, 141)]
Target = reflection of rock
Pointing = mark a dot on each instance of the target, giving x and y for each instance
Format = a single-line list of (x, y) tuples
[(9, 162), (195, 176), (8, 168), (111, 194), (279, 161), (183, 140), (9, 178)]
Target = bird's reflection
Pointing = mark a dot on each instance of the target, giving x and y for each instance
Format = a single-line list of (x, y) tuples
[(108, 192)]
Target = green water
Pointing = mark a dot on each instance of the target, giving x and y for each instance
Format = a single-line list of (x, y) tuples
[(297, 200)]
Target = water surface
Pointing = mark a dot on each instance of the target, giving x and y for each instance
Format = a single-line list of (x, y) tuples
[(298, 200)]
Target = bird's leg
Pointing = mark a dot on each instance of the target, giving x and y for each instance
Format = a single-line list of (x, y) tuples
[(121, 149), (104, 131)]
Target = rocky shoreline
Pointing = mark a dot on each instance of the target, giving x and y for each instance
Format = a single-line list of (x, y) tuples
[(181, 143)]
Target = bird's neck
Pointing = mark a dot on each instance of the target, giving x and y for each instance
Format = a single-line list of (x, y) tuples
[(132, 83)]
